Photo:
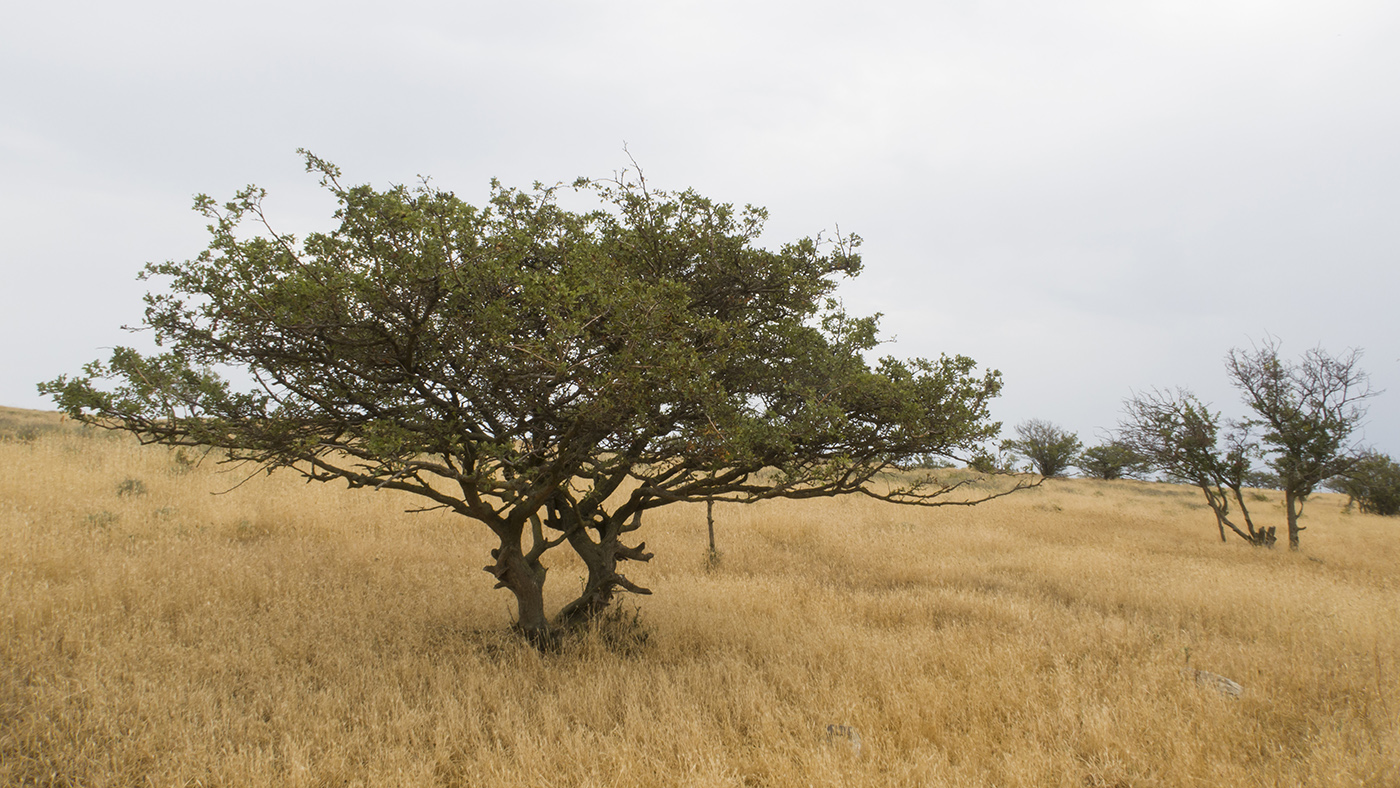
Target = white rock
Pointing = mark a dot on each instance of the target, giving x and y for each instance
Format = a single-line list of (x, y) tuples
[(1218, 683)]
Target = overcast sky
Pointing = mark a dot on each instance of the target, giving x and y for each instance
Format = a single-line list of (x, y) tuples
[(1092, 197)]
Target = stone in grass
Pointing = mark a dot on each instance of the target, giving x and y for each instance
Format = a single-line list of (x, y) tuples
[(1218, 683), (844, 734)]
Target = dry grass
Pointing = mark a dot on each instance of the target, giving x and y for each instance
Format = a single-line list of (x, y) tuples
[(284, 634)]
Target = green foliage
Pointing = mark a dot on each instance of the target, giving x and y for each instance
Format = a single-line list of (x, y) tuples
[(1112, 460), (1179, 435), (1372, 482), (1050, 449), (982, 460), (1305, 412), (522, 364)]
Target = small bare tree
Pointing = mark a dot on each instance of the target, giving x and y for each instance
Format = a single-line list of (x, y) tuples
[(1307, 412), (1180, 436)]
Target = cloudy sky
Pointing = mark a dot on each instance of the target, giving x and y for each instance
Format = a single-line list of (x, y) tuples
[(1092, 197)]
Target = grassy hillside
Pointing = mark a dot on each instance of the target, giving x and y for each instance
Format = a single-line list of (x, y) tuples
[(289, 634), (26, 425)]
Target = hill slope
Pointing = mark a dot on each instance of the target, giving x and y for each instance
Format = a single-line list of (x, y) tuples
[(292, 634)]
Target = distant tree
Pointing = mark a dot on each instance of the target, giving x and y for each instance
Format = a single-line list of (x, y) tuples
[(1177, 434), (984, 460), (551, 375), (1262, 480), (1049, 449), (1112, 460), (1372, 482), (1306, 412)]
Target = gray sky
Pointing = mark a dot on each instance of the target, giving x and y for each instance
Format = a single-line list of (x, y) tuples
[(1092, 197)]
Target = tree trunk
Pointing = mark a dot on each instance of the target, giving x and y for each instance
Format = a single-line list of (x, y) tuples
[(1214, 507), (601, 558), (597, 592), (710, 521), (525, 579), (1290, 502)]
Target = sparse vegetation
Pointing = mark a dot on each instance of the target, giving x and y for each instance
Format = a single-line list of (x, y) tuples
[(1180, 436), (21, 425), (286, 634), (131, 487)]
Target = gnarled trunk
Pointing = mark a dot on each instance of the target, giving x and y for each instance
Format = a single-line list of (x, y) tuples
[(523, 577), (601, 557), (1220, 505)]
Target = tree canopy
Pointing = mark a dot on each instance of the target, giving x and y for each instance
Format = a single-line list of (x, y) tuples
[(551, 374), (1049, 448), (1111, 460), (1305, 412)]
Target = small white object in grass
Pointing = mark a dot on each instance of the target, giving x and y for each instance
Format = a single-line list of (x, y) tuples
[(845, 733), (1218, 683)]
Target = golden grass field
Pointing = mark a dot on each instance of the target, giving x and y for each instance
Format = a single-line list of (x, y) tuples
[(285, 634)]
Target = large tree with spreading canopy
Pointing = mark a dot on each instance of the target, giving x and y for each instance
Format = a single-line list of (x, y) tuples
[(550, 374)]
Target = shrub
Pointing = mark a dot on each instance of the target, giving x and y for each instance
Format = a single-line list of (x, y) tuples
[(1112, 460), (1373, 483), (1049, 448)]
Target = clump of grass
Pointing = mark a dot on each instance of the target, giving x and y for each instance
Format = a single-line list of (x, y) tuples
[(102, 520), (250, 530), (620, 629), (183, 461)]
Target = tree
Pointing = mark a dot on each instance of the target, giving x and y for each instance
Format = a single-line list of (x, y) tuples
[(1050, 449), (1112, 460), (982, 460), (1177, 434), (1372, 482), (552, 375), (1307, 412), (1262, 480)]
